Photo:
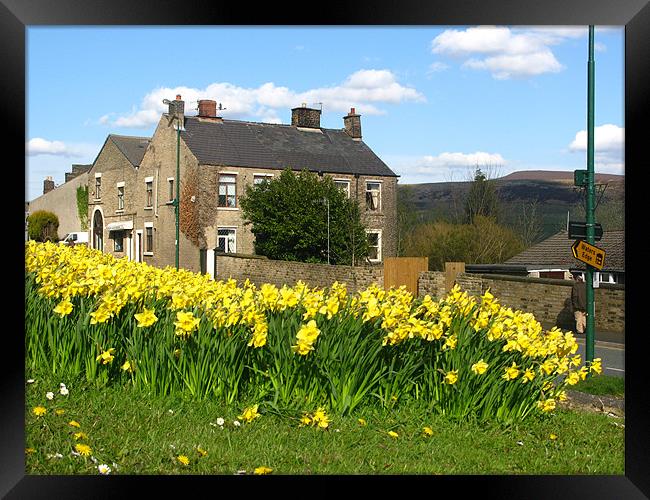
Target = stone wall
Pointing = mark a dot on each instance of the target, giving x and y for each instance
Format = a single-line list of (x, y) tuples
[(260, 270), (548, 299)]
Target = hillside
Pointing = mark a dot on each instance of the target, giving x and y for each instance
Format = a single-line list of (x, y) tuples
[(553, 194)]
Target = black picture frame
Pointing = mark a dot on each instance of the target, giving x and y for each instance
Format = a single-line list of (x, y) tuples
[(17, 15)]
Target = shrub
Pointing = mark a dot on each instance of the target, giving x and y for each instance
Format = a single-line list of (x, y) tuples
[(43, 226)]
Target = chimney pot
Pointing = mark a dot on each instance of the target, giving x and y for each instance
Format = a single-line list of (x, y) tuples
[(178, 97), (352, 111)]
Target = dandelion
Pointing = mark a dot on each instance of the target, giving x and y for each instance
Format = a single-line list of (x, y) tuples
[(183, 459), (104, 469), (83, 449), (427, 431), (305, 420), (362, 421), (249, 414), (59, 411), (39, 411), (50, 396), (262, 470), (80, 435), (30, 450), (74, 423), (201, 451), (393, 434), (552, 436)]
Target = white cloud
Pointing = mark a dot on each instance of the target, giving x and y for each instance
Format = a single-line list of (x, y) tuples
[(437, 67), (607, 137), (39, 146), (445, 167), (609, 148), (364, 90), (506, 53)]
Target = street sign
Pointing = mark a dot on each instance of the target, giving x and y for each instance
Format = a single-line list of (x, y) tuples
[(578, 231), (589, 254)]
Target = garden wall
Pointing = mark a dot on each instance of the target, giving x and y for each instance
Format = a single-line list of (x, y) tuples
[(548, 299), (260, 270)]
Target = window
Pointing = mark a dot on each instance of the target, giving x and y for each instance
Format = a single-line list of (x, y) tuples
[(148, 239), (227, 190), (373, 196), (226, 240), (172, 193), (98, 186), (259, 178), (118, 238), (149, 197), (343, 185), (120, 197), (374, 242)]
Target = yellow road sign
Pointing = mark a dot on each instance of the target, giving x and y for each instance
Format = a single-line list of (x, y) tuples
[(589, 254)]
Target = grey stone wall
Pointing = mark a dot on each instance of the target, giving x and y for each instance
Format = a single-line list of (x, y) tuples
[(260, 270), (548, 299)]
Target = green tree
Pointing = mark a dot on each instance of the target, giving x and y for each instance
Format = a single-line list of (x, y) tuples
[(482, 198), (43, 226), (289, 218), (482, 242)]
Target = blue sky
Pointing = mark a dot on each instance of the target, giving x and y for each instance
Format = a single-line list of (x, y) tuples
[(435, 101)]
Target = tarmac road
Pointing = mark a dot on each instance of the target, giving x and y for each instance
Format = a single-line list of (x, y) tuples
[(611, 353)]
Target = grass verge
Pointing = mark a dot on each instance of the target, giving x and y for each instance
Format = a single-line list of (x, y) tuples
[(602, 385), (136, 433)]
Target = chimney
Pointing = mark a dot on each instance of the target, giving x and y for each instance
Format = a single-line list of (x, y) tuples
[(305, 117), (352, 124), (177, 108), (48, 184), (207, 108)]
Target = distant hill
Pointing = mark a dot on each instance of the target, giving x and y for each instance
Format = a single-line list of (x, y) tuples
[(552, 192)]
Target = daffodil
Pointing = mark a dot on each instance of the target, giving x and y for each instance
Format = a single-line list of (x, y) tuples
[(249, 414), (106, 356), (127, 366), (451, 377), (146, 318), (64, 307), (480, 367), (511, 373)]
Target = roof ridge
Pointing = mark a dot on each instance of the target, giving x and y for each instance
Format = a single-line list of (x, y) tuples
[(130, 136)]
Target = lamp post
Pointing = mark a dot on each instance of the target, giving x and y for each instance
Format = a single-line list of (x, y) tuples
[(590, 223)]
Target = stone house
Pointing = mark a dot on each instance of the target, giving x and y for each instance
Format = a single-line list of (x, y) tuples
[(217, 158), (62, 200), (552, 258)]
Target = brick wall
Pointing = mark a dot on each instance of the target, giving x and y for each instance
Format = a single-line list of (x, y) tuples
[(260, 270), (548, 299)]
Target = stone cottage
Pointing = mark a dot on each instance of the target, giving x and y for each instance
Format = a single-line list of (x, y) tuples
[(134, 215)]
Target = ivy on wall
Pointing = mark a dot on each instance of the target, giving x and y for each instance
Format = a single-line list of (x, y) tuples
[(82, 206), (189, 207)]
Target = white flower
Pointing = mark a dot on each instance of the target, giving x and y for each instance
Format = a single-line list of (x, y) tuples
[(220, 421), (64, 391), (236, 423), (61, 384), (30, 381), (104, 469), (50, 396)]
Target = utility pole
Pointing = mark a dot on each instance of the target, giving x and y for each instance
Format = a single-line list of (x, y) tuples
[(178, 179), (590, 195)]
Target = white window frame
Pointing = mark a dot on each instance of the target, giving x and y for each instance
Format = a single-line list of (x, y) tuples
[(120, 185), (261, 177), (378, 232), (98, 186), (338, 182), (219, 182), (171, 187), (234, 240), (379, 201), (147, 181), (146, 250)]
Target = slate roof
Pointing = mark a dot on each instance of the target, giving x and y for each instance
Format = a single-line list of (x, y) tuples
[(555, 252), (264, 145), (132, 147)]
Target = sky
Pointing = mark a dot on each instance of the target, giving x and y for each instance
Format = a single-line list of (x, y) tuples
[(436, 102)]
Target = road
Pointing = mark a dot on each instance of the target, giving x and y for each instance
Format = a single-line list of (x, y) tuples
[(612, 355)]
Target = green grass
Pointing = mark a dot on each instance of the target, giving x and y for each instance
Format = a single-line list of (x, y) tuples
[(136, 433), (602, 385)]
